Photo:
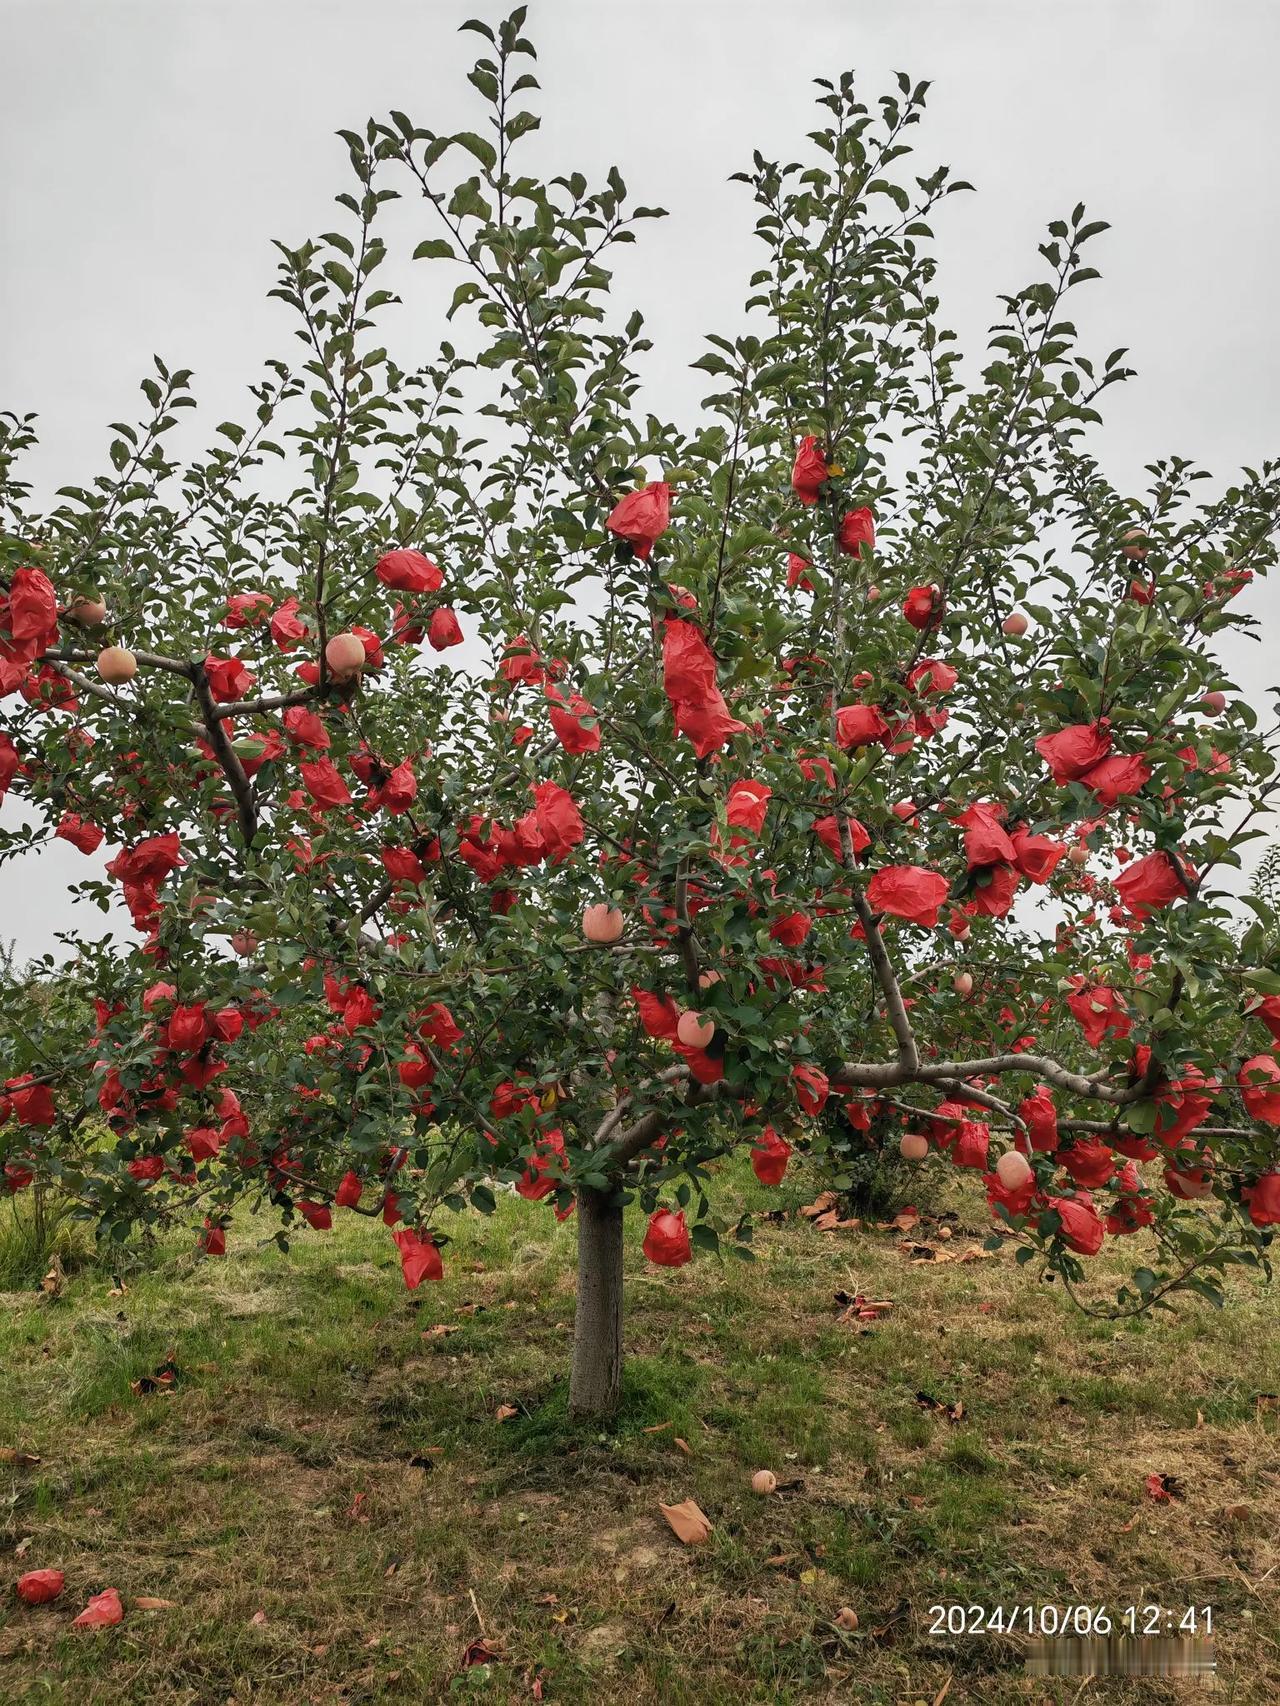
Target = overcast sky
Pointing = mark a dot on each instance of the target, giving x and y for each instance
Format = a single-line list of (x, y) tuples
[(150, 150)]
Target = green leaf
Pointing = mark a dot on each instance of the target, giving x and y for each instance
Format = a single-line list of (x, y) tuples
[(484, 151), (466, 292)]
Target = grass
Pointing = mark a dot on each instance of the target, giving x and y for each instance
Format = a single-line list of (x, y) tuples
[(330, 1501), (37, 1234)]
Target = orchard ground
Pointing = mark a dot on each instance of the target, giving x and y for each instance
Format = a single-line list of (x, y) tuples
[(332, 1503)]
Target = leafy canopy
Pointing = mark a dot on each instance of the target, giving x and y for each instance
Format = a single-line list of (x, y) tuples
[(875, 709)]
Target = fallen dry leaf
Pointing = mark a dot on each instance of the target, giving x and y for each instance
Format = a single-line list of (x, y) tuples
[(859, 1308), (819, 1205), (659, 1427), (18, 1459), (930, 1253), (504, 1412), (953, 1412), (906, 1220), (259, 1617), (1238, 1513), (832, 1222), (901, 1610), (684, 1446), (781, 1559), (687, 1522), (146, 1603), (481, 1652)]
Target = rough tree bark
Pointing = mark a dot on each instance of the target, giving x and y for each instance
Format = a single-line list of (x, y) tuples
[(595, 1384)]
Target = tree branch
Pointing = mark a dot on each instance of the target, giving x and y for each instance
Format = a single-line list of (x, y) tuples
[(145, 660), (212, 714), (886, 977), (874, 1075)]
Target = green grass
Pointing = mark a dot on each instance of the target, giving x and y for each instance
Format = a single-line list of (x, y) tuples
[(37, 1233), (330, 1462)]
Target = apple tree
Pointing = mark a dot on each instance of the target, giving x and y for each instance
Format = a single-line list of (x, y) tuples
[(492, 785)]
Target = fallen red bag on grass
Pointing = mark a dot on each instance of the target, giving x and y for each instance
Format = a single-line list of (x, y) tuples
[(102, 1611), (38, 1587)]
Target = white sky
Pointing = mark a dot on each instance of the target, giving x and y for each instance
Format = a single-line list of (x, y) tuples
[(150, 149)]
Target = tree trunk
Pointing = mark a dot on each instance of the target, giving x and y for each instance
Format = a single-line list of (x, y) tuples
[(595, 1385)]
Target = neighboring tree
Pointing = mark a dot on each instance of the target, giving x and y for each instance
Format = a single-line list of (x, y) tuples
[(860, 742)]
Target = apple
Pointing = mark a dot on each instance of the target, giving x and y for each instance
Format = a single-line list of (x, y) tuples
[(1135, 548), (913, 1146), (1189, 1186), (1015, 625), (87, 612), (963, 983), (345, 656), (694, 1031), (603, 923), (117, 665), (1079, 854), (763, 1481), (1013, 1170), (1213, 704), (707, 978)]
